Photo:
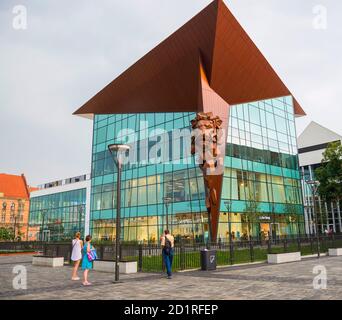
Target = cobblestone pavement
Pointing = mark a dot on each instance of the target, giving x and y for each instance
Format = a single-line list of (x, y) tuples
[(262, 281)]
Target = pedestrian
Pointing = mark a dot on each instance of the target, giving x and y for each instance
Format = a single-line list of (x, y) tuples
[(168, 243), (86, 264), (76, 255)]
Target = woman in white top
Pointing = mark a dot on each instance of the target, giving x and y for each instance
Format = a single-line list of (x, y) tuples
[(76, 254)]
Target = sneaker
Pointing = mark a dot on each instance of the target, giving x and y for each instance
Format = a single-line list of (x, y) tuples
[(169, 277), (75, 279)]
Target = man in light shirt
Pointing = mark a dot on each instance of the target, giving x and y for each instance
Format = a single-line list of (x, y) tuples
[(168, 244)]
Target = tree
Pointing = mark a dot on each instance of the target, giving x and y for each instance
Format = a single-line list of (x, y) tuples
[(292, 215), (56, 230), (6, 234), (329, 174), (251, 210)]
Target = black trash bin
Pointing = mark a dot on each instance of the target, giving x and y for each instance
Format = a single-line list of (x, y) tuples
[(208, 260)]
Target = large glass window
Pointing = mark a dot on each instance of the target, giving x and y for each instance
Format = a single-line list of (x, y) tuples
[(261, 154), (59, 216), (145, 186), (264, 175)]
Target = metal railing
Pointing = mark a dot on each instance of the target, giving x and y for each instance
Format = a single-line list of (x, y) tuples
[(17, 246), (187, 255)]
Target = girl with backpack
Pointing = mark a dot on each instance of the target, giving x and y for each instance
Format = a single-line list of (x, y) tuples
[(89, 255)]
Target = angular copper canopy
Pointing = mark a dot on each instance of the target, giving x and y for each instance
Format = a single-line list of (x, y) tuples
[(167, 79)]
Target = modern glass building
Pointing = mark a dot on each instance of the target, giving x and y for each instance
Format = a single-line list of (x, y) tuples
[(209, 66), (59, 210), (261, 177)]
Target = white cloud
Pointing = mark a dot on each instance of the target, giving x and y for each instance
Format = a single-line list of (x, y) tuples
[(72, 49)]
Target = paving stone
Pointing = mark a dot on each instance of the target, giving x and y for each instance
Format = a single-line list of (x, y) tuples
[(257, 282)]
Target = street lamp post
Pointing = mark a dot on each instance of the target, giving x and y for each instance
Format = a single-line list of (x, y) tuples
[(314, 187), (117, 151), (228, 205), (167, 201), (274, 236)]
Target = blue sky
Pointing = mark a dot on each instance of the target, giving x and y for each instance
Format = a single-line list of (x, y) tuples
[(72, 49)]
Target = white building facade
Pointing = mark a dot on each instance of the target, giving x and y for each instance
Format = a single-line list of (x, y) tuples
[(60, 209), (312, 143)]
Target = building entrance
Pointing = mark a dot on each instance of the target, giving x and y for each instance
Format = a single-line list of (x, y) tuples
[(264, 230)]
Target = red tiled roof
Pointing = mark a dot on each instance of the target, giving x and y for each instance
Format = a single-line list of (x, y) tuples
[(13, 186)]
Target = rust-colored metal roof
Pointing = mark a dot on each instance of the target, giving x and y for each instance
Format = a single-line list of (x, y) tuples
[(13, 186), (167, 78)]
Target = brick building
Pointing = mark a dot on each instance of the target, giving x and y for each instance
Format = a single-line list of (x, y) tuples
[(14, 204)]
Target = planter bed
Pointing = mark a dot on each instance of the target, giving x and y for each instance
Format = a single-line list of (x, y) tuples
[(125, 267), (336, 252), (46, 261), (284, 257)]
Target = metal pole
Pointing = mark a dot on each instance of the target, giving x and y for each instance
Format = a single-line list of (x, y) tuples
[(333, 216), (229, 228), (228, 205), (339, 214), (316, 219), (209, 227), (41, 238), (15, 222), (321, 214), (327, 213), (118, 207), (116, 151), (230, 240)]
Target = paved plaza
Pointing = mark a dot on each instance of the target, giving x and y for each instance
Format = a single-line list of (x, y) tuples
[(259, 281)]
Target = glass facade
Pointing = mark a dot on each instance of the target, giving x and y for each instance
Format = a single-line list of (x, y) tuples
[(144, 185), (261, 175), (329, 216), (58, 216)]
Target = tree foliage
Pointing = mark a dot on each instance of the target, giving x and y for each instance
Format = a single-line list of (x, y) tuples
[(251, 210), (292, 212), (329, 174), (6, 234)]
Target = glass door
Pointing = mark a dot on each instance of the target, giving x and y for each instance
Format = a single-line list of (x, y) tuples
[(275, 230)]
